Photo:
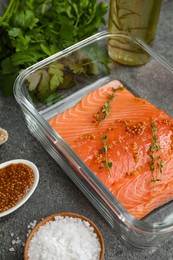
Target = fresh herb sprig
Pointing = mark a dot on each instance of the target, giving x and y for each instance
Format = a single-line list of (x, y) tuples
[(105, 109), (118, 88), (156, 162), (107, 164), (33, 30)]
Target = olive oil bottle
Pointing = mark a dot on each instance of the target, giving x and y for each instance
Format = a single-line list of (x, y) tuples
[(137, 17)]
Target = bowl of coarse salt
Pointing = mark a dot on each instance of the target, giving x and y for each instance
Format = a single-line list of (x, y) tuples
[(65, 236)]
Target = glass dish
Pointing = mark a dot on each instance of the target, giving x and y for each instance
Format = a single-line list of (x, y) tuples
[(81, 68)]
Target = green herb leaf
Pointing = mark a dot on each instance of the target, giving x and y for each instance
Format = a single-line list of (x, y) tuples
[(56, 73), (107, 164), (25, 19), (33, 30), (8, 67), (156, 162)]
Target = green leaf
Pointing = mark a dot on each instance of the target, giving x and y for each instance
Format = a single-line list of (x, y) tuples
[(33, 30), (77, 67), (158, 147), (110, 165), (52, 98), (56, 80), (102, 150), (104, 138), (26, 58), (67, 29), (21, 43), (155, 139), (25, 19), (15, 32), (8, 66), (33, 80), (7, 82), (45, 49), (56, 72), (43, 89)]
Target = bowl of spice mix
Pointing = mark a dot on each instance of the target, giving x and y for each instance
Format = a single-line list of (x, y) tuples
[(65, 236), (18, 180)]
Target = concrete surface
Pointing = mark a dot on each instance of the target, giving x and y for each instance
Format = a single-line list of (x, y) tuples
[(55, 192)]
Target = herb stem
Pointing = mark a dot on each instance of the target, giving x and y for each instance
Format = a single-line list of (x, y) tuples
[(105, 109), (10, 10), (155, 163), (104, 150)]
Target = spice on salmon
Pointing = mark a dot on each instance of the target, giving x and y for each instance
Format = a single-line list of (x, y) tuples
[(136, 128), (135, 152), (129, 149), (15, 181), (87, 136), (132, 173)]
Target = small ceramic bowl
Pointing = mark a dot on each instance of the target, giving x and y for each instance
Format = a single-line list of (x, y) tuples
[(64, 214), (31, 190), (3, 136)]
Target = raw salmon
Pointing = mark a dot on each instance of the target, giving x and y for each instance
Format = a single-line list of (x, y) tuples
[(126, 141)]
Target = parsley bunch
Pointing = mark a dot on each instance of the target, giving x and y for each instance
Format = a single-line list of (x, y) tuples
[(33, 30)]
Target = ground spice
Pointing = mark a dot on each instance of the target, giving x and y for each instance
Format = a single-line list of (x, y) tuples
[(15, 181), (65, 238)]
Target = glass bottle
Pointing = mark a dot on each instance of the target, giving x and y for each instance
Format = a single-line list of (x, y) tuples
[(137, 17)]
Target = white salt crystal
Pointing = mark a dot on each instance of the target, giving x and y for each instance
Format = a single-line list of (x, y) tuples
[(65, 239), (32, 224), (13, 242), (29, 231), (11, 249)]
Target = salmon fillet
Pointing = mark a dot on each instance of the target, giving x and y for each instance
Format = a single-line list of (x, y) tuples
[(126, 141)]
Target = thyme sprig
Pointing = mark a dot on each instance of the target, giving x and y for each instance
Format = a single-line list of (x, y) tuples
[(106, 163), (118, 88), (105, 109), (156, 161)]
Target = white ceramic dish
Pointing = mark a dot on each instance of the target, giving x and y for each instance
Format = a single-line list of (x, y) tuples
[(30, 192)]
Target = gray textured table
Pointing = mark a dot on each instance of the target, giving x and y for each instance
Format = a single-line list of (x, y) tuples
[(55, 192)]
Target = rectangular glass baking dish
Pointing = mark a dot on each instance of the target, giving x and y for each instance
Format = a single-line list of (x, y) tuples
[(79, 69)]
